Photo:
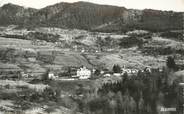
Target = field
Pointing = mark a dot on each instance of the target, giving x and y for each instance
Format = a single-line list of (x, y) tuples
[(72, 54), (64, 57), (14, 97)]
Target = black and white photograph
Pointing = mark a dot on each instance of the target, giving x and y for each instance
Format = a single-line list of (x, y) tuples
[(91, 56)]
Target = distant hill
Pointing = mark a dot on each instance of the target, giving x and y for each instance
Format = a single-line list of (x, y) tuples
[(13, 14), (89, 16)]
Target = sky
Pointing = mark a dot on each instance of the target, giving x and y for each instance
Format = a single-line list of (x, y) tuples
[(175, 5)]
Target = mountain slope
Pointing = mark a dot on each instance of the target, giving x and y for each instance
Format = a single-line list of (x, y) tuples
[(13, 14), (81, 15), (89, 16)]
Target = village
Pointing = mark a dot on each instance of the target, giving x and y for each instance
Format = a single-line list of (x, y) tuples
[(68, 73)]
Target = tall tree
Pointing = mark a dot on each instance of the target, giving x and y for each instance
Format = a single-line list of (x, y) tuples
[(116, 69), (171, 63)]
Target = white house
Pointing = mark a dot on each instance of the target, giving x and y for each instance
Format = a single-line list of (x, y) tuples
[(52, 76), (83, 73), (107, 75), (117, 74)]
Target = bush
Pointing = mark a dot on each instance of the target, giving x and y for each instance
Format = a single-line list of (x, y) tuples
[(42, 36), (171, 63), (173, 35), (97, 104), (130, 42)]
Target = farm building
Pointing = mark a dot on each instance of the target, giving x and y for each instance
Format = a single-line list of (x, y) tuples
[(129, 71), (52, 76), (117, 74)]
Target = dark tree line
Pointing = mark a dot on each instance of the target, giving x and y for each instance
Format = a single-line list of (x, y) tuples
[(140, 94), (42, 36), (131, 41)]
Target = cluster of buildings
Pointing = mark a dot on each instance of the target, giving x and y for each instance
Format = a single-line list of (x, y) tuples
[(83, 73)]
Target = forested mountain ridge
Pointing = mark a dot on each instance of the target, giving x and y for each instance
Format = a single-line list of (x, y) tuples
[(14, 14), (89, 16)]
